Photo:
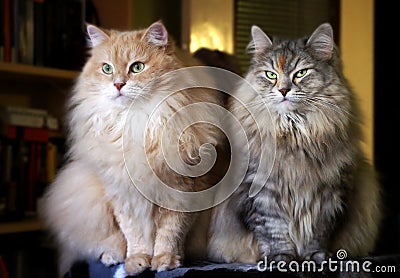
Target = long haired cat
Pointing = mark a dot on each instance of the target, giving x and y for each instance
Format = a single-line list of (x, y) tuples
[(93, 208), (319, 192)]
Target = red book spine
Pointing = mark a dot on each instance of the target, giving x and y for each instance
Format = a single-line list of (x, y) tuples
[(36, 134), (32, 168), (11, 132)]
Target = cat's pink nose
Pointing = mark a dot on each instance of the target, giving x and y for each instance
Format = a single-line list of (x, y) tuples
[(284, 91), (119, 85)]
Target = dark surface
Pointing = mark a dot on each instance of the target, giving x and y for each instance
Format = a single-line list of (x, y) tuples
[(26, 255), (388, 264)]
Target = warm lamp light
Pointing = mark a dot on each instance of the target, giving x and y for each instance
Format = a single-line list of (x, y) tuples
[(207, 35)]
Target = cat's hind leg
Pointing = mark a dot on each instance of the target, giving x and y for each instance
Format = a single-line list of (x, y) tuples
[(116, 249)]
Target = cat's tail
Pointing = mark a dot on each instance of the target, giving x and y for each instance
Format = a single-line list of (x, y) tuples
[(76, 213)]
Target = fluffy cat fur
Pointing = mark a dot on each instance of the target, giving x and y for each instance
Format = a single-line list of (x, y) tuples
[(92, 208), (322, 193)]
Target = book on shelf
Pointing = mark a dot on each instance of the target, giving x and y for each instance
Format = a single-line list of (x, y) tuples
[(48, 33), (39, 31), (29, 160), (6, 32), (21, 116), (28, 117), (24, 31)]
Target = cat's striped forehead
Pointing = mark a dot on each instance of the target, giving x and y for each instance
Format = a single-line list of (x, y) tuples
[(285, 54), (281, 61)]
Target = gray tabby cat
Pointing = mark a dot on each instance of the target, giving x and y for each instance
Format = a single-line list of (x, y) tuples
[(321, 194)]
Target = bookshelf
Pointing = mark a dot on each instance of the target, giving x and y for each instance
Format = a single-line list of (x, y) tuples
[(26, 82), (12, 70), (28, 224), (43, 81), (37, 87), (34, 87)]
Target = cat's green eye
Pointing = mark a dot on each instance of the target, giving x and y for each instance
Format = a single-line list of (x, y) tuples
[(107, 68), (300, 73), (270, 74), (137, 67)]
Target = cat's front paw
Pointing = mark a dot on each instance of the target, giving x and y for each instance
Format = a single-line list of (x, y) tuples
[(137, 263), (318, 256), (165, 261)]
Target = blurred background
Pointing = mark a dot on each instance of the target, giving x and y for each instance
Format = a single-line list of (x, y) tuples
[(43, 47)]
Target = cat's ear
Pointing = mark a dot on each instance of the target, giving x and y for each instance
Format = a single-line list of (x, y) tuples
[(260, 40), (96, 35), (321, 41), (157, 34)]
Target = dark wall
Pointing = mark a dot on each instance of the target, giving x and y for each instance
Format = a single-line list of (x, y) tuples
[(146, 12), (387, 120)]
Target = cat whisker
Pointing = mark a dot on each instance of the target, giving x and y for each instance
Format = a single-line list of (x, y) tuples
[(309, 102), (139, 97), (320, 100), (330, 105)]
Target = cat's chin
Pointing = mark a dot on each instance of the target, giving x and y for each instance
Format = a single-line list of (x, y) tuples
[(286, 106), (123, 100)]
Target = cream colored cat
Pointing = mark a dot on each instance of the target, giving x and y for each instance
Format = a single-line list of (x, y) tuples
[(93, 208)]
